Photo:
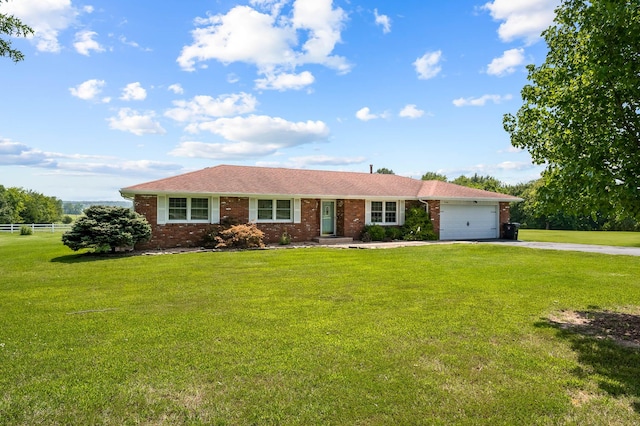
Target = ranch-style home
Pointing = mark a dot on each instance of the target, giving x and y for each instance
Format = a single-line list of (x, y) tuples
[(309, 204)]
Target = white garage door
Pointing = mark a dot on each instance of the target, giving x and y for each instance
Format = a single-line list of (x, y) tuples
[(468, 221)]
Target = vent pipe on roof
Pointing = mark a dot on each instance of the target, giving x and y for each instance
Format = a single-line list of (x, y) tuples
[(371, 168)]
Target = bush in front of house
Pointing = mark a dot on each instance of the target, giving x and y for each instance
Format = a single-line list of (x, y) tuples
[(392, 233), (240, 237), (417, 226), (372, 233), (106, 228)]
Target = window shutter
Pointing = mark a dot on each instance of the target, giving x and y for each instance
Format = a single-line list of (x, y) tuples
[(367, 212), (215, 210), (401, 212), (253, 209), (297, 210), (162, 209)]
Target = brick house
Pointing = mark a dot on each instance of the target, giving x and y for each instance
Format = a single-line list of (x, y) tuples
[(309, 204)]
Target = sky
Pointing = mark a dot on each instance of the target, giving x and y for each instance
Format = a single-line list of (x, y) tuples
[(114, 93)]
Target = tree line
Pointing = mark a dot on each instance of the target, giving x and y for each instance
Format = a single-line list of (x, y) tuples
[(18, 205)]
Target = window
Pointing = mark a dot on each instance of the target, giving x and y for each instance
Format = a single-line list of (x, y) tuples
[(265, 209), (390, 212), (376, 211), (177, 209), (275, 210), (384, 212), (188, 209), (199, 209), (283, 210)]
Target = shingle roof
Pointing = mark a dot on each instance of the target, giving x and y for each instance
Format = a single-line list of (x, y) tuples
[(248, 181)]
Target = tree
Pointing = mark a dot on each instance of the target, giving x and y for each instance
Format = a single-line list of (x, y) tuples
[(488, 183), (13, 27), (385, 171), (434, 176), (581, 111), (104, 227)]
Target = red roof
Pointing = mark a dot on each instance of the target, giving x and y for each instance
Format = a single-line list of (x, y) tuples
[(255, 181)]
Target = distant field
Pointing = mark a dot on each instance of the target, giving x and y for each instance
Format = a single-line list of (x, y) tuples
[(439, 334), (607, 238)]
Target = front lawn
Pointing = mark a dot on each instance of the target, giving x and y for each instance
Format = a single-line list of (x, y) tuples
[(606, 238), (439, 334)]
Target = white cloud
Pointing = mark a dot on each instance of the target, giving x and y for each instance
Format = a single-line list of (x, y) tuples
[(242, 35), (88, 90), (411, 111), (285, 81), (176, 88), (129, 120), (133, 92), (507, 63), (124, 41), (202, 108), (271, 41), (384, 21), (324, 25), (481, 101), (325, 160), (85, 43), (522, 19), (264, 130), (88, 9), (219, 151), (19, 154), (252, 136), (365, 114), (272, 6), (47, 18), (428, 65)]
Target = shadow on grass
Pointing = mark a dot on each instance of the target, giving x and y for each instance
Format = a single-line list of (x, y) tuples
[(85, 257), (608, 348)]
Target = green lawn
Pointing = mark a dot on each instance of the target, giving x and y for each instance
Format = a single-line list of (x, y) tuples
[(438, 334), (607, 238)]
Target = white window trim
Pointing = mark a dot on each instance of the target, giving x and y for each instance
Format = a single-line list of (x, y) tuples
[(213, 207), (399, 212), (293, 210)]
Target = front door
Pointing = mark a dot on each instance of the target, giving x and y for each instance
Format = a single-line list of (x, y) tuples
[(328, 215)]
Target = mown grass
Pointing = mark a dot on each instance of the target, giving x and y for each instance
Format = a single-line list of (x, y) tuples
[(440, 334), (607, 238)]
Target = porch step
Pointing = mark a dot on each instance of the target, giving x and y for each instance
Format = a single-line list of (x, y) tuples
[(333, 240)]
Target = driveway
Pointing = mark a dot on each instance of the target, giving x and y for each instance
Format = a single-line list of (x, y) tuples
[(628, 251)]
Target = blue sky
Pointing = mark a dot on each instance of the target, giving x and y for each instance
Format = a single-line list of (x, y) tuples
[(115, 93)]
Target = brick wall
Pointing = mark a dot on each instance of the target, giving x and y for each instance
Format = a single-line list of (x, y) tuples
[(353, 219), (169, 235), (299, 232), (434, 215), (504, 216)]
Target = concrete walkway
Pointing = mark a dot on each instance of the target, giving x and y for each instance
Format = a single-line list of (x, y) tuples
[(615, 250)]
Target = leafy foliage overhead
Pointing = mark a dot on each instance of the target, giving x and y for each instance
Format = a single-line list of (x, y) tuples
[(12, 27), (581, 111)]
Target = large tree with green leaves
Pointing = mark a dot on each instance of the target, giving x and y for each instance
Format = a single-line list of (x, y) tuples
[(581, 109), (12, 27)]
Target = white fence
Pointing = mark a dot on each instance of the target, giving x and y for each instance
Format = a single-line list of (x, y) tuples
[(35, 227)]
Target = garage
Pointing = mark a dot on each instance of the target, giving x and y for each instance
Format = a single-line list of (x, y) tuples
[(468, 220)]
